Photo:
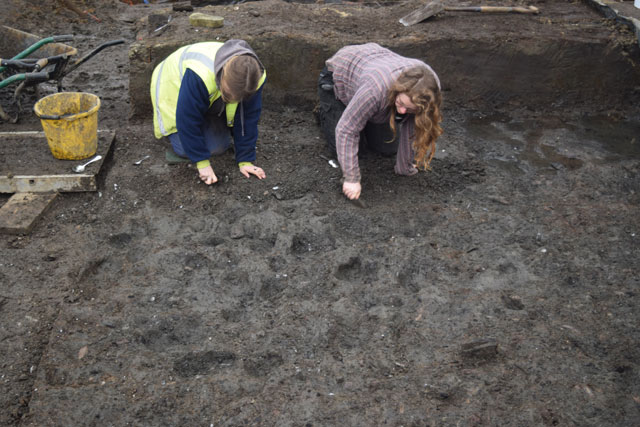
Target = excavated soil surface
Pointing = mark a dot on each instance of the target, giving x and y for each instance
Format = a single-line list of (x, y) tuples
[(499, 288)]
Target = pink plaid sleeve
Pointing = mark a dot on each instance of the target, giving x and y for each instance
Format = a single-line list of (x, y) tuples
[(362, 106)]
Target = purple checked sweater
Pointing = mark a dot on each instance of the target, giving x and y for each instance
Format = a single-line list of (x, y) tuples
[(362, 76)]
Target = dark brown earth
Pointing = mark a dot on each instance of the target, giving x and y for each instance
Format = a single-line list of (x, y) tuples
[(499, 288)]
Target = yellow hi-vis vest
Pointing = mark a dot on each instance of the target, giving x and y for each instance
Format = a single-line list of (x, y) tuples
[(167, 78)]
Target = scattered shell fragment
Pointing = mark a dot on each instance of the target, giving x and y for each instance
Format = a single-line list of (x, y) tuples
[(83, 352)]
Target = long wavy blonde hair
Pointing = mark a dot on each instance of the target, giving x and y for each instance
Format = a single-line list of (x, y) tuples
[(420, 85)]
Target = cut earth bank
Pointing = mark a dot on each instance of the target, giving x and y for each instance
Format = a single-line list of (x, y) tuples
[(500, 288)]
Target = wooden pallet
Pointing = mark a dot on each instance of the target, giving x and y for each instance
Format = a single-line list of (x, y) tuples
[(22, 155), (25, 155)]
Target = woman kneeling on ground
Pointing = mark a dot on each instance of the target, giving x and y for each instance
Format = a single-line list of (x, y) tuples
[(369, 94), (204, 93)]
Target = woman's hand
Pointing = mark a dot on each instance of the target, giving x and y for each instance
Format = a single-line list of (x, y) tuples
[(408, 170), (351, 190), (246, 170), (207, 175)]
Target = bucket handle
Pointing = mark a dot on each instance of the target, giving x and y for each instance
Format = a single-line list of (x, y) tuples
[(67, 116), (50, 117)]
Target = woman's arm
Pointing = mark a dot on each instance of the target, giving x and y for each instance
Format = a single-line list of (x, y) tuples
[(193, 104), (405, 162), (245, 127), (360, 109)]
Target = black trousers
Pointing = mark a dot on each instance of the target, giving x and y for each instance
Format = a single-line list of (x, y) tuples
[(375, 136)]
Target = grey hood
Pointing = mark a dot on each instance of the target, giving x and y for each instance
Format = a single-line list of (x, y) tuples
[(228, 50)]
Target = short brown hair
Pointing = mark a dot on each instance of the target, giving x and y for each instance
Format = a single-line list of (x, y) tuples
[(240, 78)]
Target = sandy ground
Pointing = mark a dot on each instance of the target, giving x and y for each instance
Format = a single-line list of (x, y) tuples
[(500, 288)]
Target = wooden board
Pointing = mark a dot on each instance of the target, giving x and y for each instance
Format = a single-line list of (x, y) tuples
[(27, 165), (20, 213)]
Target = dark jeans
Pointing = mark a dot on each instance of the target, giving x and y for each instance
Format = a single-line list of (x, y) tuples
[(374, 137)]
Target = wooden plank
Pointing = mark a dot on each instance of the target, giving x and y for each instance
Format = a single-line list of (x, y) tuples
[(22, 210), (47, 183)]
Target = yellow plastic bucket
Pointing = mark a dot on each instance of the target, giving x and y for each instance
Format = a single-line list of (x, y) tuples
[(70, 123)]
